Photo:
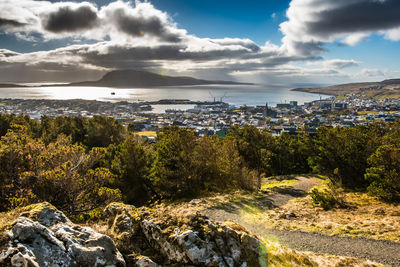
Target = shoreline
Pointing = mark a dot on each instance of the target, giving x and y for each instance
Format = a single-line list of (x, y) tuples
[(308, 90)]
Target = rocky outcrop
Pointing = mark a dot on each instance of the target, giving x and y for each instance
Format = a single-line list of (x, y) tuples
[(44, 236), (197, 241)]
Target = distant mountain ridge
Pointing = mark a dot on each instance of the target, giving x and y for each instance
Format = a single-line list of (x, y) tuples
[(386, 88), (135, 78)]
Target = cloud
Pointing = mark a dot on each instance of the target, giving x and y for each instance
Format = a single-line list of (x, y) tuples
[(142, 20), (340, 63), (355, 16), (6, 23), (118, 20), (311, 23), (69, 19), (136, 35), (370, 73)]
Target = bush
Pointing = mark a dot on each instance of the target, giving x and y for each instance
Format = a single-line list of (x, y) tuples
[(328, 198), (384, 173), (343, 152)]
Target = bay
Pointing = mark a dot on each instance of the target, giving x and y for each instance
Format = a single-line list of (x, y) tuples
[(237, 95)]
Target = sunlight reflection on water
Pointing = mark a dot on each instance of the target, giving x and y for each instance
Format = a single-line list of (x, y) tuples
[(235, 94)]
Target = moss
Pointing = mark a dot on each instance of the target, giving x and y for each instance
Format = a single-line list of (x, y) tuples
[(32, 211)]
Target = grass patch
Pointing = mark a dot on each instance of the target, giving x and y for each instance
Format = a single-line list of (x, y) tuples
[(147, 133), (270, 185), (279, 255), (367, 217)]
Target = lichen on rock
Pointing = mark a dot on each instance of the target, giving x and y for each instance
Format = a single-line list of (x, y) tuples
[(197, 241), (44, 236)]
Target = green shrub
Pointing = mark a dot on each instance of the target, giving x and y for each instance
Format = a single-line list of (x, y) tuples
[(384, 173), (328, 198)]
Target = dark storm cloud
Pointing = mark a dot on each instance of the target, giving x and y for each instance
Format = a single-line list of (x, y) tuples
[(365, 15), (313, 23), (6, 23), (139, 26), (67, 19), (118, 56), (308, 49)]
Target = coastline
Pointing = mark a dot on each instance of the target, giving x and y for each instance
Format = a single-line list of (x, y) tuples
[(314, 91)]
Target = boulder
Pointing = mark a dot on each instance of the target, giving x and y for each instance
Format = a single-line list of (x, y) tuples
[(44, 236), (198, 241)]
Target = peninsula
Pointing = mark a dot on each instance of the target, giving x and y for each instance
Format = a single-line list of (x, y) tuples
[(383, 89)]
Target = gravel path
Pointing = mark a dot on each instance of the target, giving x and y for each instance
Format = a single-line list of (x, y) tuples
[(382, 251), (385, 252)]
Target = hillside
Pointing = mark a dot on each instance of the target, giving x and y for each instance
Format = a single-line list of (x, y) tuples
[(135, 78), (386, 88)]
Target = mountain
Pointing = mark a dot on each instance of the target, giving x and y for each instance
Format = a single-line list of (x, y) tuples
[(10, 85), (135, 78), (383, 89)]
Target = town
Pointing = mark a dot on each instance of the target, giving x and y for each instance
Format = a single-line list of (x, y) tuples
[(216, 117)]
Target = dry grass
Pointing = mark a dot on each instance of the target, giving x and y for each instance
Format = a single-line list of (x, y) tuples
[(366, 217), (147, 133), (279, 255), (6, 221)]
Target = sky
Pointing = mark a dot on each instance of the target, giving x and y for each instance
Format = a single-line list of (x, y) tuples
[(285, 42)]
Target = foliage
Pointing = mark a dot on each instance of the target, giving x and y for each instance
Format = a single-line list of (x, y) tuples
[(131, 163), (329, 197), (102, 131), (384, 173), (172, 167), (253, 146), (81, 164), (61, 173), (342, 153)]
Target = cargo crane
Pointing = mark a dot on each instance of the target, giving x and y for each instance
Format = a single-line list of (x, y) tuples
[(222, 97)]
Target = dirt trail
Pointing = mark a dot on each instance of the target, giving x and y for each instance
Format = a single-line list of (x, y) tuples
[(385, 252)]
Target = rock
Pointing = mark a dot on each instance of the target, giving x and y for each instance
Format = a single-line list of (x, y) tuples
[(195, 201), (143, 261), (198, 242), (46, 237)]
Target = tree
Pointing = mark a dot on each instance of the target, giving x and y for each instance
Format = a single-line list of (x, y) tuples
[(102, 131), (290, 154), (342, 153), (18, 153), (253, 146), (384, 173), (64, 176), (132, 163), (229, 164), (172, 171), (205, 165)]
